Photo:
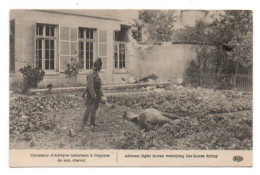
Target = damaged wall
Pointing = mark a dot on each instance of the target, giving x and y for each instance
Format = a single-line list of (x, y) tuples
[(168, 61)]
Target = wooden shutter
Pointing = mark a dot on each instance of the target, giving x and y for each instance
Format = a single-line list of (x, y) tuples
[(102, 47), (68, 45), (12, 46), (127, 56), (74, 42), (34, 45)]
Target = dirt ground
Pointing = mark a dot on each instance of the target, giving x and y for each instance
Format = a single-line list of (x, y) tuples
[(110, 127), (223, 125)]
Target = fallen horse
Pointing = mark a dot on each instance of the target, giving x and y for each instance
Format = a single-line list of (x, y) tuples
[(149, 118)]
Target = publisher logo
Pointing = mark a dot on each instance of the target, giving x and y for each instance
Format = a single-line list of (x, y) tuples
[(238, 158)]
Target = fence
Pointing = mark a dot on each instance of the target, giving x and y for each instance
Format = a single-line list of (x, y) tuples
[(221, 81)]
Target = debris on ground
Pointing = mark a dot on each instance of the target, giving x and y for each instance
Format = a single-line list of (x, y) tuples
[(148, 78)]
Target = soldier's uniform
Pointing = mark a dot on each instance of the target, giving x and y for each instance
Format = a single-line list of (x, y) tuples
[(94, 94)]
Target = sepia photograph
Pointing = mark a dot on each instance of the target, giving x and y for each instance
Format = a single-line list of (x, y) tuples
[(131, 80)]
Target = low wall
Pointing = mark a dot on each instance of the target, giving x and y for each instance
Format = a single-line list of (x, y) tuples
[(106, 87), (60, 80)]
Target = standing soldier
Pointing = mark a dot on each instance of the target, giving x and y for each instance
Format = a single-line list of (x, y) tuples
[(94, 94)]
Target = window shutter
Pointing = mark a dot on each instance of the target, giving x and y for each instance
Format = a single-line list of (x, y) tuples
[(65, 48), (74, 42), (102, 48), (12, 46), (127, 55), (34, 44), (68, 45), (104, 63), (64, 33)]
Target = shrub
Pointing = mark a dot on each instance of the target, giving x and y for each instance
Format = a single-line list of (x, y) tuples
[(31, 76), (72, 69), (49, 86)]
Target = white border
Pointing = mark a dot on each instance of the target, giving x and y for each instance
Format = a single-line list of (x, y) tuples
[(121, 4)]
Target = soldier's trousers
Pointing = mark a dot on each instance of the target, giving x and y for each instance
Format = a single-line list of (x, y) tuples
[(92, 107)]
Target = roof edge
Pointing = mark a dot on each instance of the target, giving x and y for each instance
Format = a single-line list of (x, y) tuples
[(69, 13)]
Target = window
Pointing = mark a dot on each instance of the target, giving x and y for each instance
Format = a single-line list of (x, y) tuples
[(120, 39), (122, 34), (45, 46), (86, 48), (119, 55)]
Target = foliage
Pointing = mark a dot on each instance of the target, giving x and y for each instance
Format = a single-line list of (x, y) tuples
[(157, 25), (49, 86), (187, 102), (231, 35), (72, 69), (27, 114), (227, 131), (31, 76), (207, 119)]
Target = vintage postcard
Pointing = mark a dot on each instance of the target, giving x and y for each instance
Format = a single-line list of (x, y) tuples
[(112, 88)]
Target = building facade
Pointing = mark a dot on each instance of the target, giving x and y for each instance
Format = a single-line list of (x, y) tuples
[(49, 39)]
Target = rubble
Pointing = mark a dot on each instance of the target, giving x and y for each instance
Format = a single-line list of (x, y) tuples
[(151, 77)]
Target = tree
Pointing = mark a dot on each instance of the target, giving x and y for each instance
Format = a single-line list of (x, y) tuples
[(157, 25), (235, 29), (231, 34)]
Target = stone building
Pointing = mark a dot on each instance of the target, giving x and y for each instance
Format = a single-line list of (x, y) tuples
[(51, 38)]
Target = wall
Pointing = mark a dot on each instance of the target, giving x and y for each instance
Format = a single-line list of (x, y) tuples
[(168, 61), (25, 22)]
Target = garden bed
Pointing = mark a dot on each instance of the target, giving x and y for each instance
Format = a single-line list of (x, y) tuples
[(207, 120)]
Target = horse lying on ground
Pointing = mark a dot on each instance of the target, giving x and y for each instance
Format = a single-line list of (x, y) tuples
[(149, 118)]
